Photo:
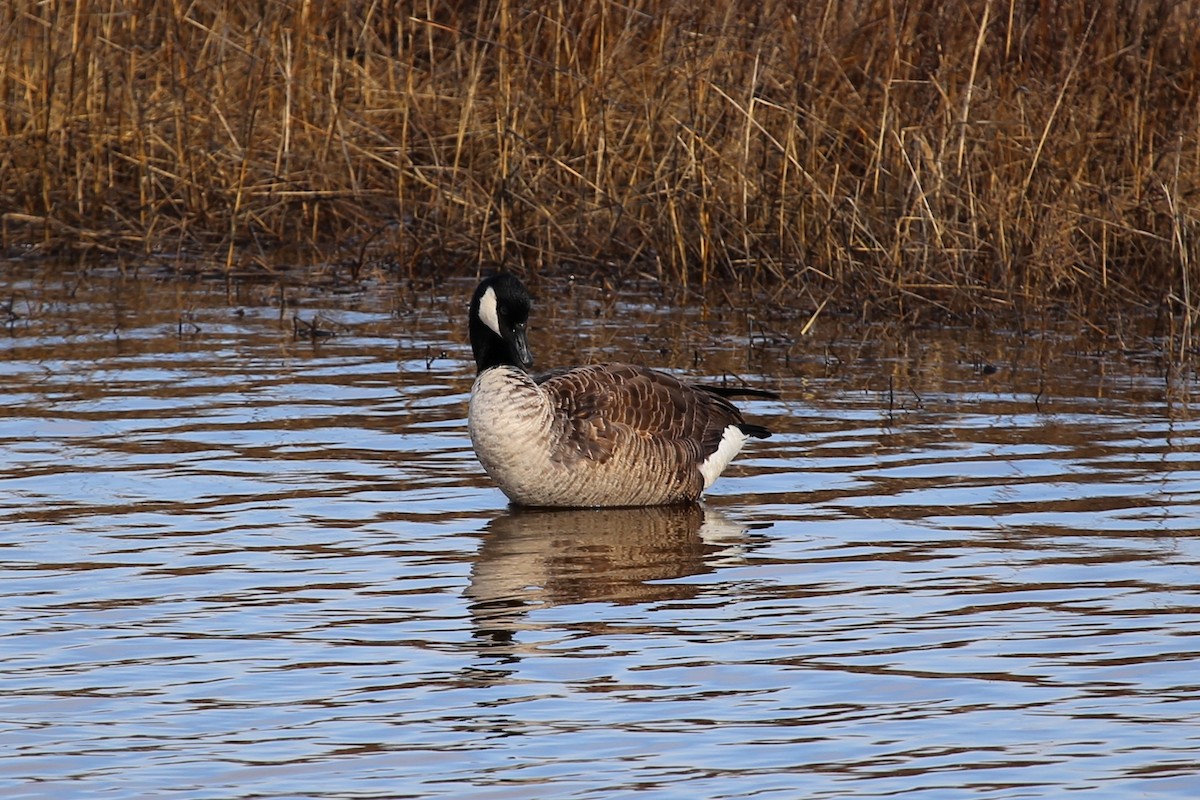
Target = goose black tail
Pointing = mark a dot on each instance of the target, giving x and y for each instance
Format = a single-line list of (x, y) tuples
[(757, 431), (740, 391)]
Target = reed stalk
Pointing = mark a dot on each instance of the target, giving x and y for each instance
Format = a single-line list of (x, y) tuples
[(877, 155)]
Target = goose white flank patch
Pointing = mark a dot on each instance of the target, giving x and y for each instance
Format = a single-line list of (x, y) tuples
[(598, 435)]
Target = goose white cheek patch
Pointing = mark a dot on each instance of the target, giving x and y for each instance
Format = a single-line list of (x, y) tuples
[(487, 310)]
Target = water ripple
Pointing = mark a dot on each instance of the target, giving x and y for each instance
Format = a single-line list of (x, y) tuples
[(238, 563)]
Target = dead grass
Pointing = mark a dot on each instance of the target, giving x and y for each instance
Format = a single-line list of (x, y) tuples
[(877, 155)]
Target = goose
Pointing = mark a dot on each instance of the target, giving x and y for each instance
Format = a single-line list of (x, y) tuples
[(601, 435)]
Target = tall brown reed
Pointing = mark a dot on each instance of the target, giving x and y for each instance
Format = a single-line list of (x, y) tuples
[(873, 154)]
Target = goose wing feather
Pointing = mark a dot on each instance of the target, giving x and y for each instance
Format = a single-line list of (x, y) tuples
[(603, 408)]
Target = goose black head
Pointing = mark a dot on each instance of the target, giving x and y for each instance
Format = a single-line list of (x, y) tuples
[(499, 314)]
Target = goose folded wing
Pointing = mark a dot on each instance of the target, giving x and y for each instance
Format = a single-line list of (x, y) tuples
[(605, 408)]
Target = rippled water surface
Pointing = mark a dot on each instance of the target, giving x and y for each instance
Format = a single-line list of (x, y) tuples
[(243, 558)]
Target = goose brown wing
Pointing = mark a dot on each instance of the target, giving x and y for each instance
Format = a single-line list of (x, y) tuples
[(603, 408)]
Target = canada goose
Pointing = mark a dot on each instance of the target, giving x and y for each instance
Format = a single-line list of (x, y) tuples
[(600, 435)]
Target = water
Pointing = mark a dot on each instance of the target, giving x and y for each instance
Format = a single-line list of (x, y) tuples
[(240, 562)]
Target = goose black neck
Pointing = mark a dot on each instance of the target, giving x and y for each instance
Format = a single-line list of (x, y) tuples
[(499, 313)]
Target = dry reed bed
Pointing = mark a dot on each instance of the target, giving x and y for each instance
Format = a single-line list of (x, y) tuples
[(874, 154)]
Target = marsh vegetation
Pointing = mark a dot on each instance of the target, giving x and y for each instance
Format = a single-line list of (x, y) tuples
[(876, 156)]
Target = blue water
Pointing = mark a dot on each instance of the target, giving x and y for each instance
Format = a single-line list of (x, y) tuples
[(238, 563)]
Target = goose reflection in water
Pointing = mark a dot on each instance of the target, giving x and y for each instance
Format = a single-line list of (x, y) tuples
[(538, 558)]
